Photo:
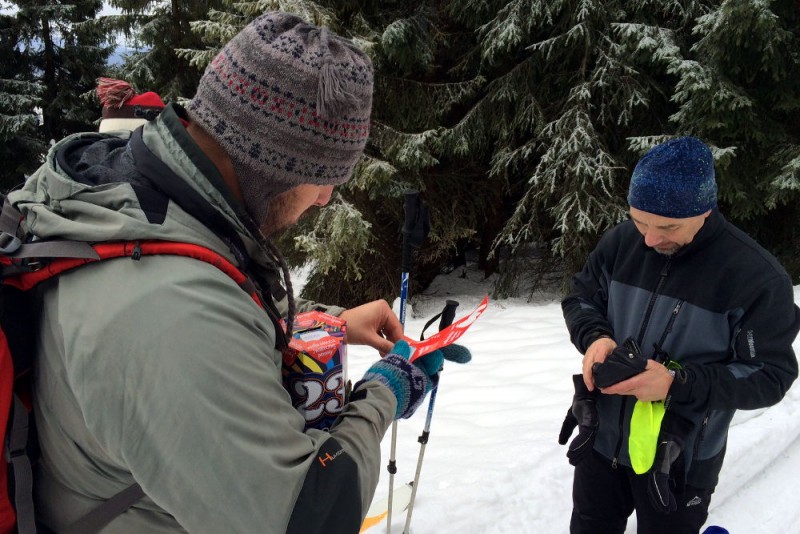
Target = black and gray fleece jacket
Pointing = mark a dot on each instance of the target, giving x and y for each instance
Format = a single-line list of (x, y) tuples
[(722, 307)]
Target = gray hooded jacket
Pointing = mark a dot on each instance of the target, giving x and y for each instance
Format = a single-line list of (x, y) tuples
[(163, 371)]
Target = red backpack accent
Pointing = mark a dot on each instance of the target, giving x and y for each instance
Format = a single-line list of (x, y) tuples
[(133, 249), (22, 271), (8, 517)]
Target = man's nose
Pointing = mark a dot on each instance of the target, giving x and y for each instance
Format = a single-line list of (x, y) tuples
[(653, 239), (324, 195)]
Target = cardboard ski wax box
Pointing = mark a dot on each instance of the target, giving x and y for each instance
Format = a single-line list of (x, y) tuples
[(315, 368)]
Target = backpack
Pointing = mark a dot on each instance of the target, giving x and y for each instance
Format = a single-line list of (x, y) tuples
[(23, 266)]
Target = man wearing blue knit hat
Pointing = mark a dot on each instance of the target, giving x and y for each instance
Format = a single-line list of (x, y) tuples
[(682, 320)]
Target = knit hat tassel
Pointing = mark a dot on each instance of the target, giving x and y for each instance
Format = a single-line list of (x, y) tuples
[(114, 93), (333, 100)]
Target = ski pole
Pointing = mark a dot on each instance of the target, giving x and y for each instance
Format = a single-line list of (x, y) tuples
[(447, 316), (415, 229)]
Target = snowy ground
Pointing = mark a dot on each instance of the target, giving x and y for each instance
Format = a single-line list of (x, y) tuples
[(493, 465)]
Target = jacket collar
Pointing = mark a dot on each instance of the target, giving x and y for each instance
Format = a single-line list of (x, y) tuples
[(710, 231), (175, 118)]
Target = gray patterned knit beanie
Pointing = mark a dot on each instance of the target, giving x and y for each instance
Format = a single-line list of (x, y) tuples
[(290, 104)]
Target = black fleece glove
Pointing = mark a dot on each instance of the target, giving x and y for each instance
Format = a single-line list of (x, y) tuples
[(582, 414), (667, 477)]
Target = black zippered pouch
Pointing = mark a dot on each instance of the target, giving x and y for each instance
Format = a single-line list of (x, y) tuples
[(624, 362)]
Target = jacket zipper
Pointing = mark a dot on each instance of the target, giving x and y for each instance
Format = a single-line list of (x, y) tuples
[(700, 437), (668, 329), (659, 351), (640, 339), (650, 305)]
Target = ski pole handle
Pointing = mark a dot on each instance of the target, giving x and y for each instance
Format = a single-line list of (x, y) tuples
[(448, 314), (416, 226), (445, 317)]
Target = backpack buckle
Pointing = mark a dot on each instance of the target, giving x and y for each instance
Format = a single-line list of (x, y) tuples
[(9, 244)]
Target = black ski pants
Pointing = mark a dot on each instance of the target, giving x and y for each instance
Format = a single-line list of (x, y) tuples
[(603, 497)]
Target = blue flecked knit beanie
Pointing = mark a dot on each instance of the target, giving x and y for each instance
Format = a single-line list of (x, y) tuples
[(675, 179), (290, 103)]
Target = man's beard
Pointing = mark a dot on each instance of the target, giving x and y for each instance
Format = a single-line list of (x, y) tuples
[(273, 227), (670, 252), (276, 220), (283, 212)]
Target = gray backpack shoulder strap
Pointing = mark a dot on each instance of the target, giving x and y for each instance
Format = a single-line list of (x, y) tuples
[(101, 516)]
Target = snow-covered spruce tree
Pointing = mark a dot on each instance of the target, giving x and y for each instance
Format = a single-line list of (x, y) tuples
[(66, 53), (154, 30), (20, 146), (563, 97), (510, 117), (734, 81), (520, 122), (434, 127), (225, 18), (756, 48), (423, 137), (614, 78)]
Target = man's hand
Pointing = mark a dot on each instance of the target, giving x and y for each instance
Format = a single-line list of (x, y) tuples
[(651, 385), (596, 353), (373, 324)]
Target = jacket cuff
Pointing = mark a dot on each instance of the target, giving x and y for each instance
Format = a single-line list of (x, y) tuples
[(681, 389)]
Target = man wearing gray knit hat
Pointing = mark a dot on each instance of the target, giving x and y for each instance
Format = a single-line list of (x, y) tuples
[(290, 104), (159, 381)]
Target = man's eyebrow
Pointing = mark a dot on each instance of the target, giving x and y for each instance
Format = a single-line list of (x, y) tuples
[(671, 226)]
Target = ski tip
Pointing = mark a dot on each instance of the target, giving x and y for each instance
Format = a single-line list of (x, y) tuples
[(401, 497), (371, 521)]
